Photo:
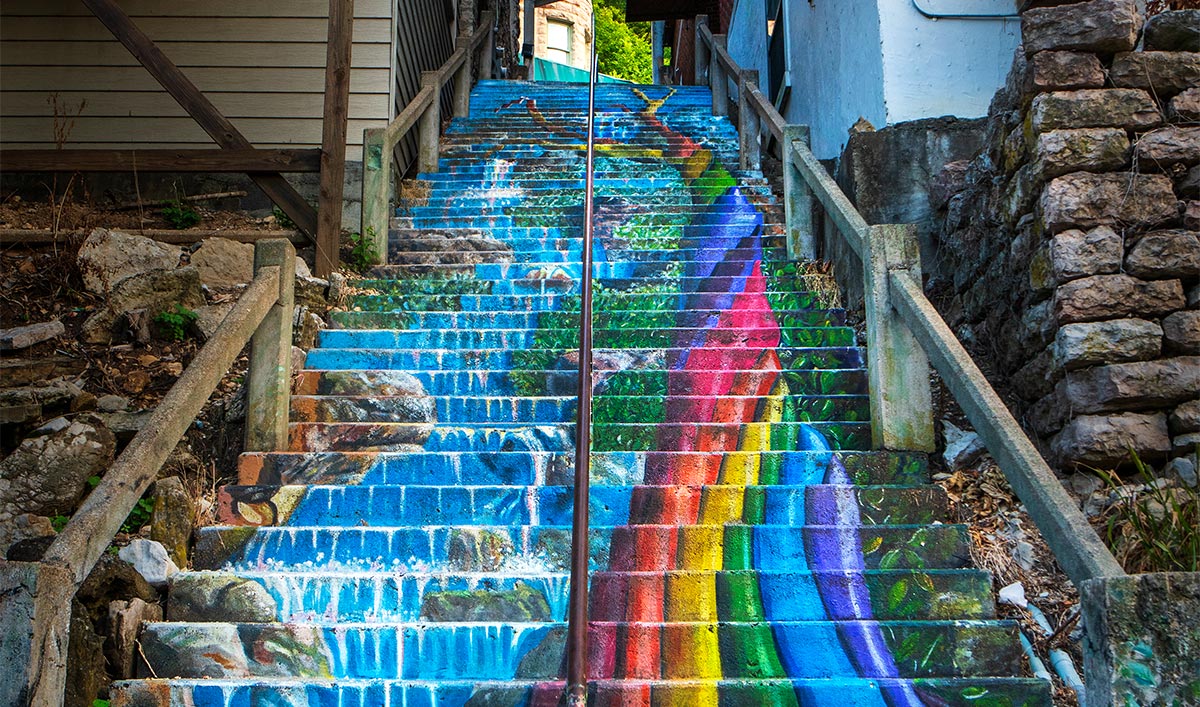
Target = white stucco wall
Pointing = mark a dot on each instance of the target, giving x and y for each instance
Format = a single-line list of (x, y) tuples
[(935, 67), (878, 59)]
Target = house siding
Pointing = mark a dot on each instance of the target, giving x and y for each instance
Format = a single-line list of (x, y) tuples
[(260, 63)]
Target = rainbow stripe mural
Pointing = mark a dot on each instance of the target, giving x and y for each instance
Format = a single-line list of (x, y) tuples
[(747, 548)]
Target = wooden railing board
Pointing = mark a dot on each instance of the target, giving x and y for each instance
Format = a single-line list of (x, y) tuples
[(905, 332), (259, 313), (424, 113)]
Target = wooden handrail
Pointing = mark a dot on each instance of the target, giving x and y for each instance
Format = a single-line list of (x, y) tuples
[(424, 110), (1076, 546), (75, 551), (905, 332)]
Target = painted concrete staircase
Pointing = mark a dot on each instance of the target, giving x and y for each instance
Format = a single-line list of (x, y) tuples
[(412, 548)]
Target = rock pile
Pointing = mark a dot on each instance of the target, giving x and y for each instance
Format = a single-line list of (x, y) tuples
[(1073, 241)]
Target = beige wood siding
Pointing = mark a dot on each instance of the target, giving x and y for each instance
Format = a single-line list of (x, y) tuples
[(261, 63)]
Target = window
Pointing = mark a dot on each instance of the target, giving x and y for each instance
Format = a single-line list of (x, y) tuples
[(558, 41)]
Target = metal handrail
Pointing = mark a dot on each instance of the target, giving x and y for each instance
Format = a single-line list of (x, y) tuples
[(577, 611)]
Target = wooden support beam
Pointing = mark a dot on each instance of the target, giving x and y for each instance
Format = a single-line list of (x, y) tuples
[(202, 160), (198, 107), (333, 134)]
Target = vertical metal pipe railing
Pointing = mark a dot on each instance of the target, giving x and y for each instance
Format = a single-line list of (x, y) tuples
[(577, 611)]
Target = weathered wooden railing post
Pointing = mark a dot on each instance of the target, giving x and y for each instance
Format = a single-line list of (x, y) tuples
[(703, 53), (377, 190), (797, 199), (749, 126), (487, 52), (268, 391), (717, 81), (898, 368), (462, 78), (429, 125)]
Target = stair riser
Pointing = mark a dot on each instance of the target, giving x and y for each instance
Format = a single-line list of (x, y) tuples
[(415, 506), (505, 550), (535, 468)]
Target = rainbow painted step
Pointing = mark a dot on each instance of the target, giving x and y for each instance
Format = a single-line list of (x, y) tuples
[(747, 548)]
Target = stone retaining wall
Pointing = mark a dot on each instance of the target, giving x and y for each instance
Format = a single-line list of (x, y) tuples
[(1070, 248)]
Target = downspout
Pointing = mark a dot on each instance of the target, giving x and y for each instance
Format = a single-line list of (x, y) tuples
[(952, 10)]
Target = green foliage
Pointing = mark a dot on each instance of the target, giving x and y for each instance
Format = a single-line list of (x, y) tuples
[(100, 703), (362, 251), (623, 50), (173, 323), (1158, 529), (180, 215), (283, 219), (59, 522), (139, 516)]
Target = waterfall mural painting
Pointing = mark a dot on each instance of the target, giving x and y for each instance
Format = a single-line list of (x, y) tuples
[(746, 547)]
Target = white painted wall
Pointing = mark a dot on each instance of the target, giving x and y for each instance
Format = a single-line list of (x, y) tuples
[(935, 67), (878, 59)]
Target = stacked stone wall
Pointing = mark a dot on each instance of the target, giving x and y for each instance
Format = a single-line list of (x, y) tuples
[(1069, 250)]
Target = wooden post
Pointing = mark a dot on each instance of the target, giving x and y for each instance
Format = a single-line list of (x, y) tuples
[(750, 152), (898, 368), (333, 134), (462, 79), (35, 620), (703, 52), (376, 191), (797, 199), (269, 390), (487, 55), (429, 126), (717, 81)]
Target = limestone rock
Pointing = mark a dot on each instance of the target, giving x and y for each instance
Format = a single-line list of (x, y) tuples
[(23, 337), (1191, 215), (172, 518), (112, 403), (214, 596), (1105, 441), (1109, 296), (962, 446), (1074, 254), (1189, 185), (108, 257), (1130, 386), (1185, 108), (1181, 332), (224, 263), (23, 371), (1131, 109), (302, 269), (150, 559), (1174, 31), (312, 292), (1060, 152), (1173, 144), (1113, 341), (48, 472), (1185, 418), (1185, 443), (1165, 73), (26, 526), (1183, 470), (35, 402), (155, 291), (1085, 200), (1165, 254), (209, 317), (1037, 377), (1102, 26), (1064, 71)]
